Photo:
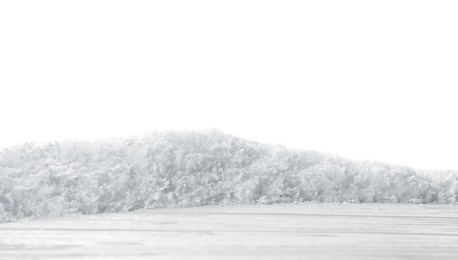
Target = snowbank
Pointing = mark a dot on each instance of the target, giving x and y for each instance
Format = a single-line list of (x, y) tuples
[(192, 169)]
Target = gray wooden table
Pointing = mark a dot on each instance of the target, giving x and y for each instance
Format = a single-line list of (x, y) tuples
[(293, 231)]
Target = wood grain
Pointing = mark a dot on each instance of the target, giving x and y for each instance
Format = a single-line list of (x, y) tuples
[(305, 231)]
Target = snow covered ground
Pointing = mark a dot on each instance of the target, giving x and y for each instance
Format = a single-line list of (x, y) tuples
[(282, 231)]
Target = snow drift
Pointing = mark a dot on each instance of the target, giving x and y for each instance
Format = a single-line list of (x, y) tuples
[(192, 169)]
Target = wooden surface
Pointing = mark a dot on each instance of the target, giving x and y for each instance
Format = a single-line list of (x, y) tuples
[(305, 231)]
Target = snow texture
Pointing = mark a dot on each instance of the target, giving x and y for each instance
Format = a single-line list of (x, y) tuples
[(182, 169)]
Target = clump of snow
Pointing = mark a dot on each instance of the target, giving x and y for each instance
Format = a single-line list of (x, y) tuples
[(192, 169)]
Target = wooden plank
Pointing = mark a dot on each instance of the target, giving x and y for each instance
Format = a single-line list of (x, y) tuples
[(306, 231)]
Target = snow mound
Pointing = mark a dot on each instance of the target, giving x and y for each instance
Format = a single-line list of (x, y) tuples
[(192, 169)]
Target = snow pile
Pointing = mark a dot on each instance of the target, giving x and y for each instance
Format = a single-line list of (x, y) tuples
[(193, 169)]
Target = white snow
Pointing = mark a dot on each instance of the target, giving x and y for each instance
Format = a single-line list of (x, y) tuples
[(194, 169)]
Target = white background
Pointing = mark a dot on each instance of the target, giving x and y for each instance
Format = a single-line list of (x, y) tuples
[(362, 79)]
